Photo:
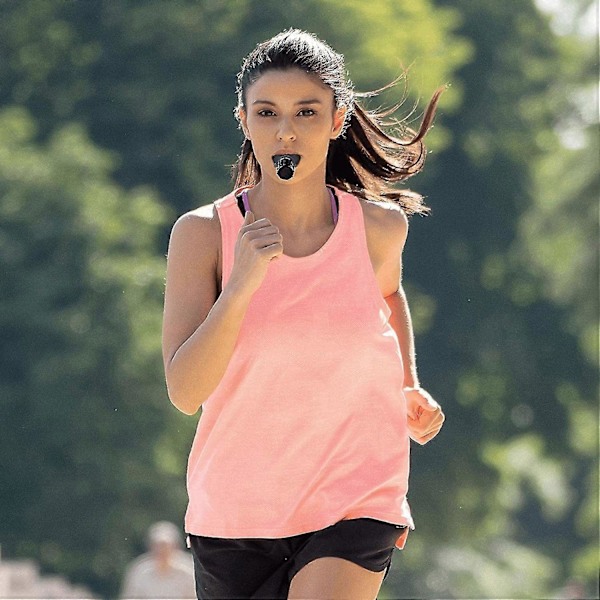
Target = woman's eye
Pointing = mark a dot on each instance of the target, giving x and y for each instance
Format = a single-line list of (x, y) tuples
[(305, 112)]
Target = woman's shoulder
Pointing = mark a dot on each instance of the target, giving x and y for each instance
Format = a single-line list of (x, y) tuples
[(204, 216), (386, 224), (198, 229)]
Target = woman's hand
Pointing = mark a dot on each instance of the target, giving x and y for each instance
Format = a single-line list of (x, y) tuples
[(257, 244), (425, 416)]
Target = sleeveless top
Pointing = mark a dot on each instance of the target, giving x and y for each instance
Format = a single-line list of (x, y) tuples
[(308, 425)]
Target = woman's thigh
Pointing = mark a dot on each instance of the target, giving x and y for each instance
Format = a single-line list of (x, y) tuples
[(367, 543), (361, 551), (332, 578)]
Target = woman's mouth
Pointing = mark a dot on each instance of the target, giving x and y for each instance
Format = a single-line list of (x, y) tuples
[(285, 165)]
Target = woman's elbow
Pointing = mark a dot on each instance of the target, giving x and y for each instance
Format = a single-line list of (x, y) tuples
[(182, 399), (183, 402), (185, 408)]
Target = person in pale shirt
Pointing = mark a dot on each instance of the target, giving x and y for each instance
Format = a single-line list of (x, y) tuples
[(165, 571)]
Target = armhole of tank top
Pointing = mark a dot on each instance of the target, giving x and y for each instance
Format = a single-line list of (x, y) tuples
[(226, 243), (378, 299)]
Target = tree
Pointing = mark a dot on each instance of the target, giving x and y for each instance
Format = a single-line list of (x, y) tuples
[(554, 246), (155, 81), (502, 487), (504, 506), (83, 405)]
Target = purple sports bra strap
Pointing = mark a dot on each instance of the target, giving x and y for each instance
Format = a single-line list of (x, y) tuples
[(334, 210), (245, 201)]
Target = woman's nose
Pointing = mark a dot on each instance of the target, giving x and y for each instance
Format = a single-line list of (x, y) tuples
[(286, 131)]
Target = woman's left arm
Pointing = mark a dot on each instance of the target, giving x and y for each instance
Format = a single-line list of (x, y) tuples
[(425, 416), (387, 230)]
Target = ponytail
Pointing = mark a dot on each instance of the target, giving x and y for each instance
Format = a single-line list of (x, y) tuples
[(246, 171), (367, 160)]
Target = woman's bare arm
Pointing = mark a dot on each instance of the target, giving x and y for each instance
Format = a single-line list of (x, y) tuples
[(401, 322), (387, 231), (199, 329), (200, 326)]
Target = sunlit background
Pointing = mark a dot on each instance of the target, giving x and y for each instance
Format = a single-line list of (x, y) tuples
[(116, 117)]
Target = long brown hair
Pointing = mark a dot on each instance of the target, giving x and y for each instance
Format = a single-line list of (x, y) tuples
[(366, 159)]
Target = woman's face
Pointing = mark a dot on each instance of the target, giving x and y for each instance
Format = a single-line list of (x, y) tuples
[(291, 112)]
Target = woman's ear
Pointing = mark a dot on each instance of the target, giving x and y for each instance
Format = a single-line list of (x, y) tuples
[(243, 117), (339, 118)]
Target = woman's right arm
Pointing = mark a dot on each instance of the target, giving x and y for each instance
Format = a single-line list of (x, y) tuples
[(200, 327)]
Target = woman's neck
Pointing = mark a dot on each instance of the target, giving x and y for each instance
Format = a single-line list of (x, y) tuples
[(297, 208)]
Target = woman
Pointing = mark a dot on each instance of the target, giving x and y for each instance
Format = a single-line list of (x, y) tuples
[(286, 321)]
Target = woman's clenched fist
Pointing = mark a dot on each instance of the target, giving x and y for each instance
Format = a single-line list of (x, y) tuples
[(258, 243)]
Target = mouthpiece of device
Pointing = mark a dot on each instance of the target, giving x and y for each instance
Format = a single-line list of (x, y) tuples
[(285, 165)]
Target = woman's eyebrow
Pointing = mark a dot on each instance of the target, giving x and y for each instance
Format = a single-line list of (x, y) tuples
[(300, 102), (310, 101)]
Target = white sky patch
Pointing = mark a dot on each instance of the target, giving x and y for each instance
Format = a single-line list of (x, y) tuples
[(566, 18)]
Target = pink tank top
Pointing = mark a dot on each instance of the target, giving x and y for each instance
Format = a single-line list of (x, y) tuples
[(308, 425)]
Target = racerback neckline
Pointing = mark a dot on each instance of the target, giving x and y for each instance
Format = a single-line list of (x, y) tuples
[(338, 218)]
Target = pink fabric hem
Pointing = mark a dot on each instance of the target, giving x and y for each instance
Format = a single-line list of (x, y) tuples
[(277, 533)]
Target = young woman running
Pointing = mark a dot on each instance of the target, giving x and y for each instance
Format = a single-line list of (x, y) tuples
[(285, 320)]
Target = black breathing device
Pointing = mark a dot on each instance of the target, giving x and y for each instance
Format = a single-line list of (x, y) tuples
[(285, 165)]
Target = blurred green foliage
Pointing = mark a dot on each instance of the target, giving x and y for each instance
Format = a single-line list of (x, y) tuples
[(115, 116), (155, 79), (80, 374)]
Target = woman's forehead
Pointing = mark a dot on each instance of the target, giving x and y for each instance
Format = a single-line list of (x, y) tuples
[(288, 85)]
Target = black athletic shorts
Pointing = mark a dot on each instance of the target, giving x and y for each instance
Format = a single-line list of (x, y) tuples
[(264, 568)]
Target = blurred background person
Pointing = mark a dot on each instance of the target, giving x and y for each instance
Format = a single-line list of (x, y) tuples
[(165, 571)]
